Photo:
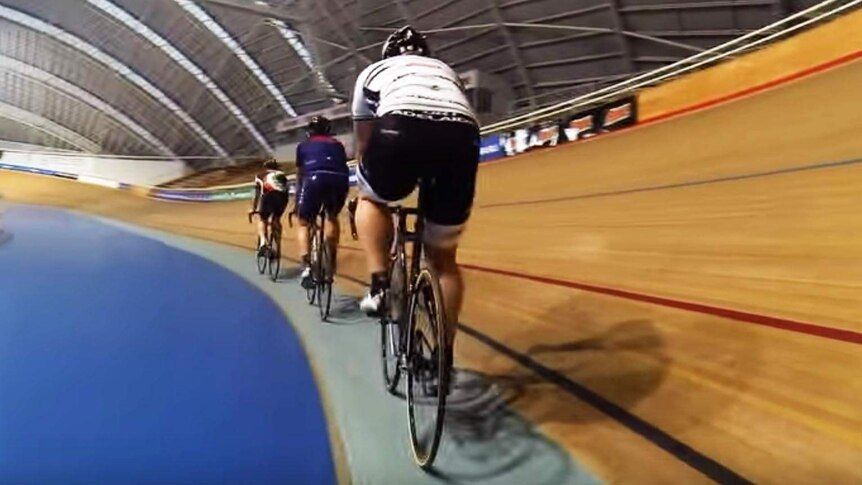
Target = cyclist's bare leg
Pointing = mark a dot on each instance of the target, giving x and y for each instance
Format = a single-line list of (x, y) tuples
[(332, 235), (302, 240), (444, 262), (374, 225), (262, 227), (332, 231), (276, 228)]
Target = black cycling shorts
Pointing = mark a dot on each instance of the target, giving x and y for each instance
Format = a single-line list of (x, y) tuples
[(403, 149), (273, 204), (324, 189)]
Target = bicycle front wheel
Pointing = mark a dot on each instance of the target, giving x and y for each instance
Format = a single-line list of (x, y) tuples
[(261, 258), (311, 291), (391, 330), (427, 368), (325, 283), (274, 258)]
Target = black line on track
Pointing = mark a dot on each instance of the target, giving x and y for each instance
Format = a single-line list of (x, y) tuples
[(678, 185), (683, 452)]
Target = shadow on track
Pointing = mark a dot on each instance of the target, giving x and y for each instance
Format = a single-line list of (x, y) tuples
[(485, 441)]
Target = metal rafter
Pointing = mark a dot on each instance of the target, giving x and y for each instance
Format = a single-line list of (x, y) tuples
[(78, 93), (574, 28), (261, 9), (575, 60), (620, 26), (464, 40), (301, 50), (40, 123), (238, 50), (354, 48), (512, 45), (123, 70), (669, 7), (149, 35), (405, 13)]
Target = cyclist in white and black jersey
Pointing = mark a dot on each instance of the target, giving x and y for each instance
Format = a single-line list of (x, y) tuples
[(413, 120)]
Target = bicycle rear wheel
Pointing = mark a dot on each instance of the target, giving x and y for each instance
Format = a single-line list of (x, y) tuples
[(311, 292), (427, 368), (274, 258), (261, 258), (324, 285), (392, 328)]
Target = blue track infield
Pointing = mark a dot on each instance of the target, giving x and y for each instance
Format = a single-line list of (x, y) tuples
[(124, 360)]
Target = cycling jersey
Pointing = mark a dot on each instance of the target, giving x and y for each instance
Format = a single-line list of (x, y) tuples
[(273, 189), (321, 154), (271, 181), (322, 162), (411, 85), (423, 128)]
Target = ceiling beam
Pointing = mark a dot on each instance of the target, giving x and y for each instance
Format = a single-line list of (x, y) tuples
[(121, 69), (40, 123), (481, 55), (575, 60), (669, 7), (75, 92), (260, 9), (148, 35), (573, 28), (512, 45), (619, 26)]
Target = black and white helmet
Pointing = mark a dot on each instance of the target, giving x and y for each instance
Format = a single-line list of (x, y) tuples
[(405, 40)]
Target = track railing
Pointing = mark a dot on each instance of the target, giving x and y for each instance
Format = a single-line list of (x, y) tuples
[(820, 12)]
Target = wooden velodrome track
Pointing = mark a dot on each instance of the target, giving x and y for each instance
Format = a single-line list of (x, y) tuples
[(678, 302)]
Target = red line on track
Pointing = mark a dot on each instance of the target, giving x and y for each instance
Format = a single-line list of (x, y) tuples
[(840, 61), (842, 335)]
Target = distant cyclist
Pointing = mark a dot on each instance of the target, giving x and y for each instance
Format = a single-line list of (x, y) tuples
[(322, 182), (412, 120), (270, 201)]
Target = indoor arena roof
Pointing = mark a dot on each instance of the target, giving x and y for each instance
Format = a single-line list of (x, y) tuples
[(212, 78)]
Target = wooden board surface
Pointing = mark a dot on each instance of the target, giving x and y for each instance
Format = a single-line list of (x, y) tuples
[(634, 241), (800, 52)]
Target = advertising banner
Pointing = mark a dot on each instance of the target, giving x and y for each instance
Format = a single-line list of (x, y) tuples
[(547, 135), (581, 126), (492, 147), (619, 115), (221, 194)]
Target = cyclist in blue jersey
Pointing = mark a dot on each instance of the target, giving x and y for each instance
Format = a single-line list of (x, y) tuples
[(322, 181)]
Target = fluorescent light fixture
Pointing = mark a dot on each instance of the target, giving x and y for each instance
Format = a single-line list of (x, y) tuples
[(114, 64), (171, 51), (74, 91), (221, 34)]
